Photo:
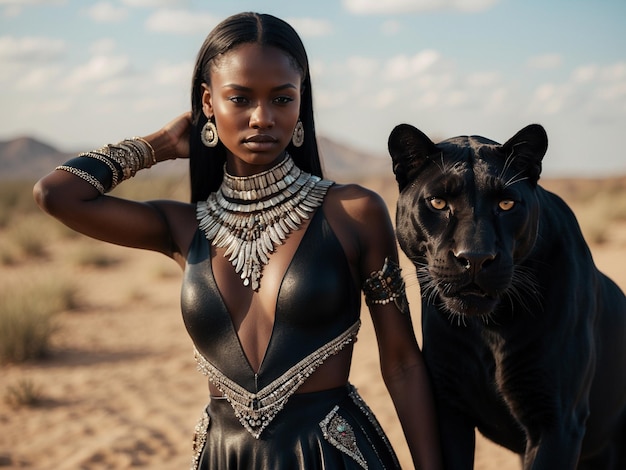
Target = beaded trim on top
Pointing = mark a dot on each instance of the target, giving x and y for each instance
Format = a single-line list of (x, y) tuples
[(255, 411), (251, 215)]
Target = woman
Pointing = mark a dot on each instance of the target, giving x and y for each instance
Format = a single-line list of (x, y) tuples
[(274, 257)]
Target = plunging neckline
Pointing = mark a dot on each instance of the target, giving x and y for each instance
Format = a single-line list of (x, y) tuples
[(225, 309)]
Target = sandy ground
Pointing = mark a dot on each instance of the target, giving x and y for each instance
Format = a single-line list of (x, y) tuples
[(121, 389)]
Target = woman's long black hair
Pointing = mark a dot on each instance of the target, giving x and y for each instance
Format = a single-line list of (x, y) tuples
[(206, 165)]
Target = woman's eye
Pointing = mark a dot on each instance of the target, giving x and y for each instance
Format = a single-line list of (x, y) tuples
[(283, 100), (438, 203), (237, 99), (506, 204)]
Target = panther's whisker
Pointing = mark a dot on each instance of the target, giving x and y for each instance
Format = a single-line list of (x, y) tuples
[(515, 179), (507, 164), (442, 166)]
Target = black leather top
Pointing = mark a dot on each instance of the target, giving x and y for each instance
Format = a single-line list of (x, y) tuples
[(317, 301)]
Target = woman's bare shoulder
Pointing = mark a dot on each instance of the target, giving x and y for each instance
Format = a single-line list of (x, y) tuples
[(357, 201)]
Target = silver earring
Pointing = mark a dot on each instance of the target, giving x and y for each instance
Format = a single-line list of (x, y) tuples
[(297, 139), (208, 134)]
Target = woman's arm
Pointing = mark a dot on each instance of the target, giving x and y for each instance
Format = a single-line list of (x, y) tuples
[(80, 206), (402, 365)]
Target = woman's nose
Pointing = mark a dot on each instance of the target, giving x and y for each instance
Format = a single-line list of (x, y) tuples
[(261, 117)]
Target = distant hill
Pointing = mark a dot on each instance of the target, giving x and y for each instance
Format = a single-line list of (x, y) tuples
[(29, 158)]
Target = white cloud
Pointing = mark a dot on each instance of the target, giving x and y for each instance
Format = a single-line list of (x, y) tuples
[(33, 2), (173, 74), (425, 81), (612, 83), (181, 22), (98, 70), (55, 106), (614, 72), (456, 98), (105, 12), (38, 78), (613, 92), (483, 79), (391, 27), (311, 27), (496, 100), (8, 75), (103, 46), (12, 11), (593, 91), (545, 61), (585, 74), (326, 98), (14, 8), (147, 104), (361, 67), (432, 81), (429, 99), (545, 92), (28, 49), (154, 3), (369, 7), (383, 99), (402, 67), (118, 85), (318, 68), (550, 99)]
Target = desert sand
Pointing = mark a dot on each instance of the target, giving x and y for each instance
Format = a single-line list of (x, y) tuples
[(120, 389)]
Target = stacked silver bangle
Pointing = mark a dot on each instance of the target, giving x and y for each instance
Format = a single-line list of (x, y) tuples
[(385, 286), (105, 168)]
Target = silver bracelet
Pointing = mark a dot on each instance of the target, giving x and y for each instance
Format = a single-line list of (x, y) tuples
[(385, 286), (108, 166)]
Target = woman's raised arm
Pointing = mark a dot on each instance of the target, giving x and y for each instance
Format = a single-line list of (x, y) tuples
[(76, 198)]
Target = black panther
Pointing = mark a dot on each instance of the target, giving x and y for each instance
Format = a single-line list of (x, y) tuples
[(524, 339)]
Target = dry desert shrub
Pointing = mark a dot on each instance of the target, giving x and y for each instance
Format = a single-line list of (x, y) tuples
[(602, 210), (94, 256), (25, 231), (24, 393), (29, 238), (599, 204), (16, 200), (27, 317)]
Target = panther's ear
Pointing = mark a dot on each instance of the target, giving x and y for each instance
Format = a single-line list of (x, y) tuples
[(527, 149), (409, 147)]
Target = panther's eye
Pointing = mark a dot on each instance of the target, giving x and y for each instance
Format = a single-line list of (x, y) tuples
[(506, 204), (438, 203)]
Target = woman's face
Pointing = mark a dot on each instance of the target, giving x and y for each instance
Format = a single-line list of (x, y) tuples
[(254, 97)]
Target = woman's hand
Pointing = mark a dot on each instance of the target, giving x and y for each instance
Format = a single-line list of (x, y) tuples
[(172, 140)]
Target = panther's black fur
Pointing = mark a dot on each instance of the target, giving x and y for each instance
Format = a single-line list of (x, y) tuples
[(524, 338)]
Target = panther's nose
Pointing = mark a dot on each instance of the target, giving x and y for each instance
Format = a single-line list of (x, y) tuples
[(474, 261)]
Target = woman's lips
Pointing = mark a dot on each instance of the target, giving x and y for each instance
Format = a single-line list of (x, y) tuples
[(260, 142), (260, 138)]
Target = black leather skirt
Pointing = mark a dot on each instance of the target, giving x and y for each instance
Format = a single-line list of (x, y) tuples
[(329, 430)]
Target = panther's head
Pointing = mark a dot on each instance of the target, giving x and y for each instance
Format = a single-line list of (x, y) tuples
[(468, 214)]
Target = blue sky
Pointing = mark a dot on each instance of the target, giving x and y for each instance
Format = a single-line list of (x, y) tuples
[(79, 74)]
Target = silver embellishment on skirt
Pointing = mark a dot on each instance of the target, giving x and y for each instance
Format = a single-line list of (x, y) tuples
[(199, 439), (366, 410), (255, 411), (340, 434)]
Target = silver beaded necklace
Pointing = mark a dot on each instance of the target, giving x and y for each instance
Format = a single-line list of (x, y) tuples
[(251, 215)]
